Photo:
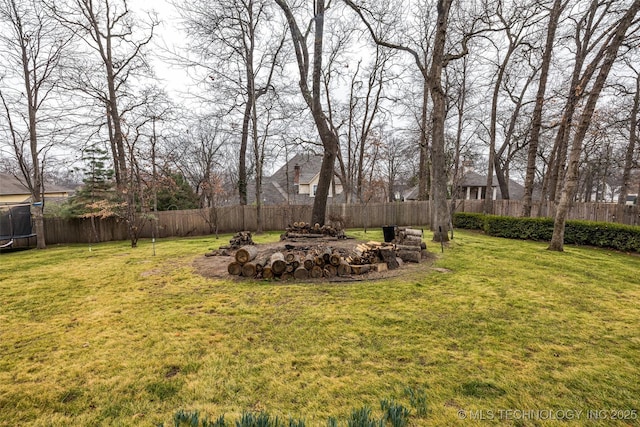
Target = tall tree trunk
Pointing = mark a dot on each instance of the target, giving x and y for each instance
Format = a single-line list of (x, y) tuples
[(568, 191), (458, 169), (488, 201), (244, 139), (536, 120), (36, 174), (423, 167), (553, 181), (631, 147), (440, 212), (313, 100)]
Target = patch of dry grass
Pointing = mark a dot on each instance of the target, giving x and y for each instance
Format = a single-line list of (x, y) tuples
[(117, 336)]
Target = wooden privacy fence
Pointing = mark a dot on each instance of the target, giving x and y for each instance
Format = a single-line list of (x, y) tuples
[(603, 212), (236, 218)]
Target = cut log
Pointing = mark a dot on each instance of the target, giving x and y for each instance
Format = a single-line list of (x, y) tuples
[(326, 255), (261, 263), (412, 240), (234, 268), (315, 272), (249, 270), (360, 269), (309, 261), (380, 266), (267, 273), (412, 232), (329, 271), (301, 273), (304, 235), (344, 269), (335, 259), (246, 254), (278, 265), (289, 257), (388, 255), (408, 247), (410, 256)]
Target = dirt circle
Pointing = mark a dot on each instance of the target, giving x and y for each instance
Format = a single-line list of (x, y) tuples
[(215, 267)]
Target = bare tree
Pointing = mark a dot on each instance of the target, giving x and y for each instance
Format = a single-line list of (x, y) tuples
[(606, 57), (592, 30), (112, 55), (34, 45), (514, 24), (536, 120), (432, 75), (108, 29), (633, 138), (313, 98), (365, 110), (239, 48)]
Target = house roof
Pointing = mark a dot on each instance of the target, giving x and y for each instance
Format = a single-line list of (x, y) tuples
[(280, 188), (309, 168), (12, 186), (473, 179)]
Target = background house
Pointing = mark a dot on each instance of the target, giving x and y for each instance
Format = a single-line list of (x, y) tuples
[(473, 186), (12, 191), (295, 183)]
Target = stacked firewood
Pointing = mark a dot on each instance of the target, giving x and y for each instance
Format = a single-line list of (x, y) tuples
[(409, 244), (325, 262), (306, 230), (240, 239), (373, 256), (285, 265)]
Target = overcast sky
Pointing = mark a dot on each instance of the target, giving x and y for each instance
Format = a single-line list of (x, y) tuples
[(168, 37)]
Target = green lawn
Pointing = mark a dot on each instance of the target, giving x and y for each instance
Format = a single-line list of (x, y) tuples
[(117, 336)]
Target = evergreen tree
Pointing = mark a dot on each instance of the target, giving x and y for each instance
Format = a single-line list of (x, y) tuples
[(98, 190)]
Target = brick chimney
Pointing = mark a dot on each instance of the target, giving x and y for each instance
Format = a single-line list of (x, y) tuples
[(296, 174)]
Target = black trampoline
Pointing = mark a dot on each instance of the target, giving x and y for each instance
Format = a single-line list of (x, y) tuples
[(15, 223)]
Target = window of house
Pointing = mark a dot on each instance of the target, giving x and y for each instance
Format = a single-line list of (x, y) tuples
[(314, 189)]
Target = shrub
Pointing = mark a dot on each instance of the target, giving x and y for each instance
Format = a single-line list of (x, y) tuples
[(601, 234), (469, 221)]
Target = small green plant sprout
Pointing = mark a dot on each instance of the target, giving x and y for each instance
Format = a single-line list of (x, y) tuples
[(184, 418), (261, 419), (394, 413), (418, 401), (296, 423), (362, 418)]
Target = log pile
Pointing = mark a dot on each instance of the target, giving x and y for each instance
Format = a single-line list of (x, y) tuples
[(285, 265), (373, 256), (305, 230), (240, 239), (409, 244), (322, 261)]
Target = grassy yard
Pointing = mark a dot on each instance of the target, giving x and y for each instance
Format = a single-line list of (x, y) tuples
[(116, 336)]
